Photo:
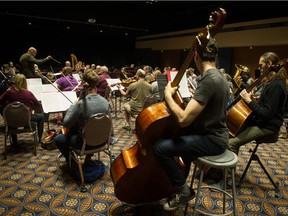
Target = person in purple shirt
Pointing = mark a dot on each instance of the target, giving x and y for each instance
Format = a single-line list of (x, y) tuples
[(18, 92), (66, 82)]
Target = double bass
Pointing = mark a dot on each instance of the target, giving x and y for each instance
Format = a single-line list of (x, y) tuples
[(136, 174)]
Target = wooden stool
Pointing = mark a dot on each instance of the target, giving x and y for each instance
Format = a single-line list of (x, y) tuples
[(254, 157), (225, 161)]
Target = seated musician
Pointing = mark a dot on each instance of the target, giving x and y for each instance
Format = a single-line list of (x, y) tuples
[(154, 84), (123, 74), (77, 114), (204, 120), (137, 91), (268, 110), (66, 82), (6, 75), (18, 92), (102, 82)]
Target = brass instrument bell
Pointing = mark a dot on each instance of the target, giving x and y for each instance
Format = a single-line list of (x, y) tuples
[(237, 77)]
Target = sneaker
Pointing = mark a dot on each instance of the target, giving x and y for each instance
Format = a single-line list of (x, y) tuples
[(177, 200)]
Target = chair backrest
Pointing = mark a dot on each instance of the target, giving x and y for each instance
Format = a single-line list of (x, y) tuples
[(97, 129), (17, 114), (149, 100)]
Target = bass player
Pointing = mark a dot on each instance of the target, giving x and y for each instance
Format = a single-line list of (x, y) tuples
[(204, 115)]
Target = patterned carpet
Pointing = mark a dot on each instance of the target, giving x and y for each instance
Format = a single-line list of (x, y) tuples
[(37, 185)]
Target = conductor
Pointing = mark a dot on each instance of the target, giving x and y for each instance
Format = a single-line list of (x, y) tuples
[(27, 62)]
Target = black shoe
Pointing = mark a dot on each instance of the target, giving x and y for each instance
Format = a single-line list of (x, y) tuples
[(177, 200)]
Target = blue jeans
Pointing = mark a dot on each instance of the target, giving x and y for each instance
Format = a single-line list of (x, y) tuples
[(64, 142), (39, 119), (189, 148)]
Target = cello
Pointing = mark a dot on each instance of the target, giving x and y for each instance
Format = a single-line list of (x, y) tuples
[(239, 113), (136, 174)]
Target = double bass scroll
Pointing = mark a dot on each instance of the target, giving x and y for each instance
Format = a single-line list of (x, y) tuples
[(136, 174)]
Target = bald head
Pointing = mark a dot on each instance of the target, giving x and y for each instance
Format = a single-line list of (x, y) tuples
[(32, 51)]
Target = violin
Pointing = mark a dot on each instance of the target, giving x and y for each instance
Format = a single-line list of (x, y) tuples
[(125, 82), (128, 81)]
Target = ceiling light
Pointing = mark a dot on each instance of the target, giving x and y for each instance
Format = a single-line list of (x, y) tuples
[(91, 20)]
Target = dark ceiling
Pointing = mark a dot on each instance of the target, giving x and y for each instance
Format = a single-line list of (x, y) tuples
[(135, 18), (61, 27)]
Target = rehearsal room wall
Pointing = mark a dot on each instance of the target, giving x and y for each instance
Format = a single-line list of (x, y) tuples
[(240, 43)]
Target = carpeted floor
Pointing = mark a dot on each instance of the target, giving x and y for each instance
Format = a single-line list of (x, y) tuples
[(38, 185)]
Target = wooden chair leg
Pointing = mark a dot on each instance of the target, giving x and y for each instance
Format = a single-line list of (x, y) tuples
[(83, 188)]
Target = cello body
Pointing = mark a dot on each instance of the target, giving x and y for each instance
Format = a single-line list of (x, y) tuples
[(237, 117), (136, 174)]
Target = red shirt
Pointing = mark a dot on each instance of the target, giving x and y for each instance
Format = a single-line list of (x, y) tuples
[(24, 96)]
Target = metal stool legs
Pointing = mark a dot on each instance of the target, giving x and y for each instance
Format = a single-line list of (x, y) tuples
[(225, 193)]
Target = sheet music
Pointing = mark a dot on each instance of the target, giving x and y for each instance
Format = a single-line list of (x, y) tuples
[(34, 81), (56, 102), (77, 77), (49, 88), (114, 81), (57, 74), (183, 85), (38, 89)]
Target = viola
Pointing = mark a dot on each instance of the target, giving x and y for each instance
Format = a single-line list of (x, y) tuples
[(136, 174)]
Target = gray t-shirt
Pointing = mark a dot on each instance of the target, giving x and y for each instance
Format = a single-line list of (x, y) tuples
[(77, 114), (213, 90), (138, 91)]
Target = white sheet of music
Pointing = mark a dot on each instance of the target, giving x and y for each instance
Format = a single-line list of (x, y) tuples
[(34, 81), (38, 89), (183, 85), (77, 77), (56, 102), (113, 81), (57, 74), (49, 88)]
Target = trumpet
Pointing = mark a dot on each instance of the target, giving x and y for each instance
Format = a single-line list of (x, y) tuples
[(237, 81)]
